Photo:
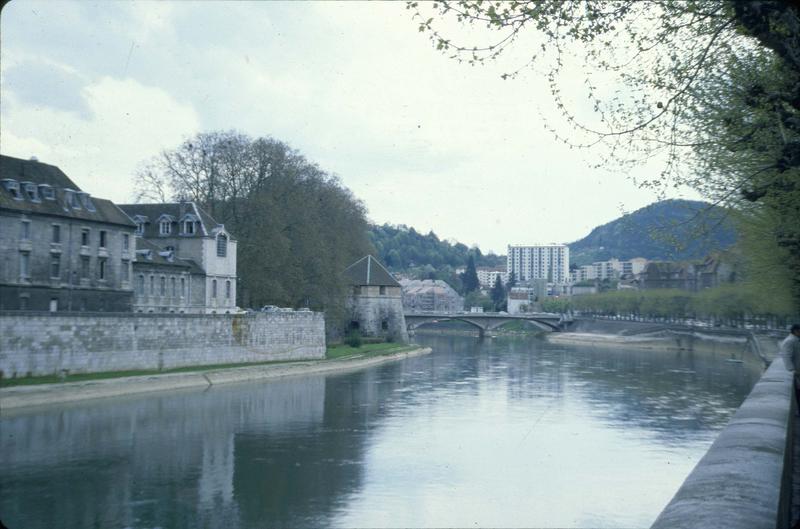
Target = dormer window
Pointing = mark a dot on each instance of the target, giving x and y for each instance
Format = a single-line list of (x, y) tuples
[(70, 200), (86, 200), (222, 245), (164, 227), (140, 228), (188, 227), (31, 192), (12, 186), (47, 192)]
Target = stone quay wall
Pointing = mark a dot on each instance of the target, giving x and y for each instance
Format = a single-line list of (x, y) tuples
[(34, 344), (744, 480)]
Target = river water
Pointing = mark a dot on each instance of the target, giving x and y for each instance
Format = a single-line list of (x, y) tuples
[(508, 432)]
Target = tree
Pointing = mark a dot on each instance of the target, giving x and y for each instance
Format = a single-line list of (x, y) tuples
[(498, 294), (512, 281), (297, 226), (708, 86), (469, 279)]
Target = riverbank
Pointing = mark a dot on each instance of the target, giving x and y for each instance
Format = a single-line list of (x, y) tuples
[(27, 396)]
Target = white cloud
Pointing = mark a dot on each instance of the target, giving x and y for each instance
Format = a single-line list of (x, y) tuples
[(102, 152)]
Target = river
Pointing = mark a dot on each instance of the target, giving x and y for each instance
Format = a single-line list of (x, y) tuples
[(509, 432)]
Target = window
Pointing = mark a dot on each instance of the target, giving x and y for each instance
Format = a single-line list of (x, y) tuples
[(24, 265), (140, 227), (227, 289), (188, 227), (56, 233), (31, 192), (183, 287), (385, 325), (85, 237), (382, 290), (53, 304), (84, 267), (152, 286), (126, 241), (101, 268), (174, 287), (140, 285), (55, 266), (12, 186), (163, 285), (164, 227), (25, 230), (214, 288), (126, 271), (102, 238), (47, 192), (222, 245)]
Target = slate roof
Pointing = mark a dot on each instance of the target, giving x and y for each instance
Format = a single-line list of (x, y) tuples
[(367, 271), (43, 174), (176, 210), (155, 257)]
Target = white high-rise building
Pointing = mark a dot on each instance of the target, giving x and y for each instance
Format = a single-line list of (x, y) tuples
[(540, 261)]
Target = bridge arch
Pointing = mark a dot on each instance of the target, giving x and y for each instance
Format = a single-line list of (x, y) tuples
[(427, 321)]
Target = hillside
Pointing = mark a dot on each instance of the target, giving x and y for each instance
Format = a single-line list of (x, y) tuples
[(670, 230), (402, 248)]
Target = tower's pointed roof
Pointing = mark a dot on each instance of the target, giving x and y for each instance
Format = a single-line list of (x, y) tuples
[(368, 271)]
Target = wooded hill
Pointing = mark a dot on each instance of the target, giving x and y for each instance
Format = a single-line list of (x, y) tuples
[(671, 230)]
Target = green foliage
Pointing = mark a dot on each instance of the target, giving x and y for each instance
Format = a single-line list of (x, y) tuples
[(297, 227), (404, 249), (469, 279), (353, 338), (477, 299), (727, 302), (498, 294), (672, 230)]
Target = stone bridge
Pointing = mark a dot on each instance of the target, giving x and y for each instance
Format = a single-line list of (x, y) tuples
[(486, 321)]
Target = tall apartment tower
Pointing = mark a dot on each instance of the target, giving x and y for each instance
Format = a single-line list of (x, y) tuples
[(539, 261)]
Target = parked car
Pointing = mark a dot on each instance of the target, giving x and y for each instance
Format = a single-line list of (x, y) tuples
[(269, 308)]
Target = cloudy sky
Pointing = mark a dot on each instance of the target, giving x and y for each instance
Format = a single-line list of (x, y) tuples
[(98, 88)]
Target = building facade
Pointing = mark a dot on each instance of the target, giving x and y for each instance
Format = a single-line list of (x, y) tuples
[(375, 305), (182, 241), (487, 276), (547, 261), (611, 269), (430, 295), (60, 248)]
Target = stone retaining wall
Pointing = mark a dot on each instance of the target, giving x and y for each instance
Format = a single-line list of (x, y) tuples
[(744, 480), (51, 343)]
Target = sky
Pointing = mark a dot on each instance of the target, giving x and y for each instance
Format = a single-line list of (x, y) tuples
[(99, 88)]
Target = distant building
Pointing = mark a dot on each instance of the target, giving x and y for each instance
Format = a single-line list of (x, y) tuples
[(60, 248), (712, 272), (375, 304), (430, 295), (182, 242), (527, 297), (487, 276), (611, 269), (547, 261)]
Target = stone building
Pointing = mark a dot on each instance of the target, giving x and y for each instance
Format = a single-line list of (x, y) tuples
[(375, 304), (183, 234), (60, 248), (430, 295)]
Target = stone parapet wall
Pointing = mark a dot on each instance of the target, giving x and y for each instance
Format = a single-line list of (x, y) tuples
[(744, 480), (35, 344)]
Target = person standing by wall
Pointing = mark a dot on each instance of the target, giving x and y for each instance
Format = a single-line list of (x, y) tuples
[(790, 351)]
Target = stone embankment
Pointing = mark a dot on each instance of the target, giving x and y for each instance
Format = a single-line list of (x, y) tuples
[(14, 398), (667, 337)]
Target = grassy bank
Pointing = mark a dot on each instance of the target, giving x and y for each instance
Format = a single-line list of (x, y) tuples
[(369, 349), (332, 353), (103, 375)]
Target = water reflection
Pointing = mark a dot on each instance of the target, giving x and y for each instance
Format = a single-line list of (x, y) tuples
[(505, 432)]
